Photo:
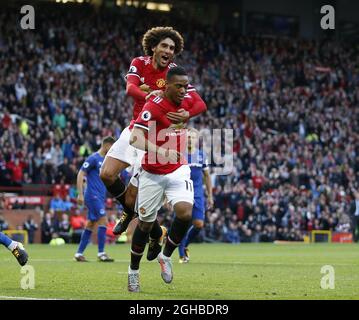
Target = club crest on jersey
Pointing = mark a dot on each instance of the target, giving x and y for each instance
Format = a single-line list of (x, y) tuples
[(146, 115), (142, 210), (160, 83)]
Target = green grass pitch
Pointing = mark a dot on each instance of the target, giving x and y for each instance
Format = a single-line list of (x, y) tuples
[(216, 271)]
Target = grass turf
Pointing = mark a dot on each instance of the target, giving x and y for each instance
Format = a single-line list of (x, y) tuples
[(216, 271)]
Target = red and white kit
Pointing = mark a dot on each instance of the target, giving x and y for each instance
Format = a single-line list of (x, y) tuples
[(158, 177), (142, 72)]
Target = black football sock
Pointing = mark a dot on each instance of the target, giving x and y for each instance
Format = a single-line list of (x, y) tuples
[(139, 240), (156, 231), (117, 189), (128, 210), (177, 232)]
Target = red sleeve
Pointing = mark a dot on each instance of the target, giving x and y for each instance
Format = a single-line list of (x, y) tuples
[(133, 89), (150, 112), (198, 105), (133, 78)]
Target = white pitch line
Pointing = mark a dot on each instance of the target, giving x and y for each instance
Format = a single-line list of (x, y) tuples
[(66, 260), (219, 262), (27, 298)]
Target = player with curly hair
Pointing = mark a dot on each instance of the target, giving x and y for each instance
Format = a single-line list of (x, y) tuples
[(146, 77)]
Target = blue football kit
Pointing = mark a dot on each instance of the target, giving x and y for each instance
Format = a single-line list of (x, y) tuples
[(95, 192)]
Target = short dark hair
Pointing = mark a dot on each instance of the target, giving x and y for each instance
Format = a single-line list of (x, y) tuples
[(108, 140), (155, 35), (175, 71)]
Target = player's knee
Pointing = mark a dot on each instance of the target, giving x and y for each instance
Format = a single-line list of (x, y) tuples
[(102, 221), (107, 175), (145, 226), (183, 211), (198, 224), (187, 215), (90, 225)]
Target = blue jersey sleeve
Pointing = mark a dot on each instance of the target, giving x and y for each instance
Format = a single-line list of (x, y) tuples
[(88, 164)]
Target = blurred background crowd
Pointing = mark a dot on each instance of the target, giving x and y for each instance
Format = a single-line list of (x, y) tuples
[(292, 105)]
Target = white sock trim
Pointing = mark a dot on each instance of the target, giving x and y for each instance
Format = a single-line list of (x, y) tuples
[(170, 240), (12, 245), (136, 253), (132, 271)]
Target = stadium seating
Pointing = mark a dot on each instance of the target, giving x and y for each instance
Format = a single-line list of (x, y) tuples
[(292, 105)]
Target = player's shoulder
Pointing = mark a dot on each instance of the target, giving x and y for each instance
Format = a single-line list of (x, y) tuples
[(94, 156), (155, 106), (142, 60), (154, 102)]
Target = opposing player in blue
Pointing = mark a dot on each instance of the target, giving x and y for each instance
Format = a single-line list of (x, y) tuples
[(15, 247), (199, 173), (94, 199)]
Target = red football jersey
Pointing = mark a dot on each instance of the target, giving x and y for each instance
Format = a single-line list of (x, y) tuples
[(142, 69), (163, 132)]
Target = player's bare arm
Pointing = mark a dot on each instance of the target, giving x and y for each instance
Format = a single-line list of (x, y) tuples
[(208, 184), (138, 140), (80, 187)]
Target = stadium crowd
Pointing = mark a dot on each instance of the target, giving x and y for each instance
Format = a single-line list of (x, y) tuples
[(292, 105)]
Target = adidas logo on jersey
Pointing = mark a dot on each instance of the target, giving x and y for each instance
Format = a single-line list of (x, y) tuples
[(157, 100)]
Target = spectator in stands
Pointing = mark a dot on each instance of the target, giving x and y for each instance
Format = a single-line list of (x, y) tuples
[(2, 201), (3, 224), (68, 204), (232, 235), (16, 168), (64, 230), (78, 223), (30, 226), (355, 216), (48, 227), (110, 237), (57, 204)]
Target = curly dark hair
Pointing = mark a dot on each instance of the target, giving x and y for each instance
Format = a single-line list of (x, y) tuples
[(155, 35)]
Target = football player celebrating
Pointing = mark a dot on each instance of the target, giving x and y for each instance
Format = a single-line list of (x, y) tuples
[(145, 79), (164, 173)]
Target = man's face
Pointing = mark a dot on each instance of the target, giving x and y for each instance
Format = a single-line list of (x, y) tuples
[(176, 88), (164, 52)]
